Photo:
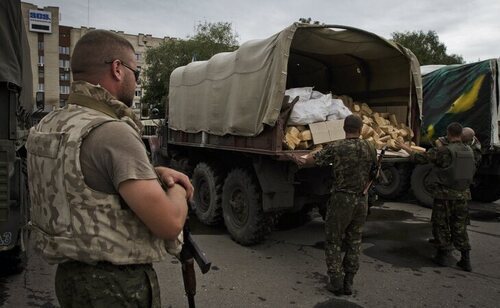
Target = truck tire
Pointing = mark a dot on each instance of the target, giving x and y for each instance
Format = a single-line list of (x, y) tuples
[(398, 177), (207, 184), (419, 186), (242, 208), (13, 261), (486, 188), (182, 164)]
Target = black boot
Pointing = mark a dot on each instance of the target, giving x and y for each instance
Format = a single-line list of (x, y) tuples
[(464, 262), (348, 281), (335, 285), (441, 258)]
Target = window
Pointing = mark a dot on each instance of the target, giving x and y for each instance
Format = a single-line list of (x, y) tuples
[(62, 103), (138, 92), (64, 50), (64, 63), (138, 56), (64, 76), (64, 89), (41, 87), (40, 45), (40, 74), (40, 60)]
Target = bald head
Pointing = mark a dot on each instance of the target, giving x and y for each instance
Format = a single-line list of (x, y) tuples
[(467, 134), (94, 49)]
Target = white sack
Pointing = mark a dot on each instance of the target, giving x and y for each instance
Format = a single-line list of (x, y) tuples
[(338, 110), (304, 93), (311, 111)]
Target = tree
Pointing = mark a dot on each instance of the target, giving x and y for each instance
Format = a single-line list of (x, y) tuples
[(209, 39), (426, 47)]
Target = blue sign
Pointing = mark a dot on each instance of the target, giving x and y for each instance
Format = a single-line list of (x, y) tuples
[(40, 15)]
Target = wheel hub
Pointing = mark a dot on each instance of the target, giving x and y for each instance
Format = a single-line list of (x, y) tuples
[(239, 206)]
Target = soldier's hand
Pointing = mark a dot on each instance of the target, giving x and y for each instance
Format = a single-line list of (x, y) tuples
[(404, 146), (171, 177)]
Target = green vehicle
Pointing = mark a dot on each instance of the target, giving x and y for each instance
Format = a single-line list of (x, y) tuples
[(468, 94), (16, 104)]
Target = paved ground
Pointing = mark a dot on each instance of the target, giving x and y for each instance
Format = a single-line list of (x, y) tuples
[(288, 269)]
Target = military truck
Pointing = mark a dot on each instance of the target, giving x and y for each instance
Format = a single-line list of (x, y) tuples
[(16, 104), (227, 117), (468, 94)]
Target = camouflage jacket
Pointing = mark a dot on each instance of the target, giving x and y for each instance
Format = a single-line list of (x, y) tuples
[(351, 160), (70, 220), (440, 157)]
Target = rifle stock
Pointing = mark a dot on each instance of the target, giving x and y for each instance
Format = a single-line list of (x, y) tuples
[(379, 170)]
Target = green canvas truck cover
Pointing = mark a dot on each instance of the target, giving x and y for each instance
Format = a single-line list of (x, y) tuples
[(15, 64), (467, 94), (239, 92)]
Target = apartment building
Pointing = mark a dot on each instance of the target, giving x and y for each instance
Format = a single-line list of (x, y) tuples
[(51, 45)]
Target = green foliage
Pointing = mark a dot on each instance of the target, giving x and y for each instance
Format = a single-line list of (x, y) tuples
[(209, 39), (427, 47)]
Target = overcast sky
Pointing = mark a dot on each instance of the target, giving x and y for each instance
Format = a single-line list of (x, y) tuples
[(468, 28)]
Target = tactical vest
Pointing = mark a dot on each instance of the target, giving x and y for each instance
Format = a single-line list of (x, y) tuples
[(71, 220), (460, 173)]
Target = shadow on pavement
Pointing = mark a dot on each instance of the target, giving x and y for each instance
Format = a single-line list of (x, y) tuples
[(337, 303)]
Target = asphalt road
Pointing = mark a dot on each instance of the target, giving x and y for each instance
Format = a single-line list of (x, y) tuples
[(288, 269)]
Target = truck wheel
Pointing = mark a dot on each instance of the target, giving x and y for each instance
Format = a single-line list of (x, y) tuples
[(183, 165), (486, 188), (242, 208), (419, 185), (398, 177), (13, 261), (207, 194)]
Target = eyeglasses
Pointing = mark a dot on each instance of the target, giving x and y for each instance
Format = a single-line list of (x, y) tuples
[(137, 72)]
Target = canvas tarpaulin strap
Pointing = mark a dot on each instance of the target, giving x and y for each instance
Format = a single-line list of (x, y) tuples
[(239, 92)]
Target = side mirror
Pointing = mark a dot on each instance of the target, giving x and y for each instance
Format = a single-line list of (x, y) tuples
[(155, 113), (40, 100)]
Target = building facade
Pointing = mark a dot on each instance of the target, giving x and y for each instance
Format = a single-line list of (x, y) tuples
[(51, 45)]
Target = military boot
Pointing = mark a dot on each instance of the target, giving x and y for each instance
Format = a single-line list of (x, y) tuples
[(335, 286), (441, 258), (464, 262), (348, 281)]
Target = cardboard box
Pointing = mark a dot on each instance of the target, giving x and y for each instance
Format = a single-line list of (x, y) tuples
[(327, 131)]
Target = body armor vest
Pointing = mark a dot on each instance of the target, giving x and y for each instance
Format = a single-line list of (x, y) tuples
[(70, 220), (460, 173)]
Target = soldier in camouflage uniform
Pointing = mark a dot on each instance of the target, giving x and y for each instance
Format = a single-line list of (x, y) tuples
[(98, 209), (451, 175), (352, 160), (468, 138)]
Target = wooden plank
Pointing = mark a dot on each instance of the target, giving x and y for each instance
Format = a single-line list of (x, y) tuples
[(305, 135)]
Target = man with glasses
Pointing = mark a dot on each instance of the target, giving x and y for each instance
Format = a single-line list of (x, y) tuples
[(98, 209)]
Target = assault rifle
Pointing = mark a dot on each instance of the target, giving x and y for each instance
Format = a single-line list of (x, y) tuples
[(191, 252), (376, 171)]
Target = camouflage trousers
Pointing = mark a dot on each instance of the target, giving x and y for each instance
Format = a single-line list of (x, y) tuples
[(449, 224), (106, 285), (345, 217)]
